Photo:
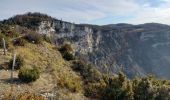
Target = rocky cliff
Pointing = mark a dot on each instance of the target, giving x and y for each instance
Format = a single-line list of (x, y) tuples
[(133, 49)]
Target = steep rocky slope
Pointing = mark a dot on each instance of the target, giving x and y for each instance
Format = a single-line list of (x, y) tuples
[(133, 49)]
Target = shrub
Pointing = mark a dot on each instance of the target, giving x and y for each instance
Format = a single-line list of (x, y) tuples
[(69, 83), (78, 66), (19, 42), (34, 38), (28, 75), (82, 68), (144, 90), (87, 71), (68, 56), (29, 96), (94, 84), (115, 89), (6, 41), (66, 50), (12, 34), (19, 62), (163, 93), (22, 96), (94, 90), (73, 86)]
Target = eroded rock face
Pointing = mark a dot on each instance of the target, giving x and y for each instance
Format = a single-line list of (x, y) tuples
[(135, 50), (80, 36)]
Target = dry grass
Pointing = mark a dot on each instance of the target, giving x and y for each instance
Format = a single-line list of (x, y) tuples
[(55, 71)]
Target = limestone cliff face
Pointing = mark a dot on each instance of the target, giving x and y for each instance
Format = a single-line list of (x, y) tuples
[(80, 37), (103, 48), (135, 50)]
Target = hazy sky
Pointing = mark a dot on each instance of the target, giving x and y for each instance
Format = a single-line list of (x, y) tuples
[(92, 11)]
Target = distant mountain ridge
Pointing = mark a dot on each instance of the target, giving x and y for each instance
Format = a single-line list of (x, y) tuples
[(134, 49)]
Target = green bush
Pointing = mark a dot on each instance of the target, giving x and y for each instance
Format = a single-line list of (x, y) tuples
[(94, 89), (19, 42), (34, 38), (73, 86), (78, 66), (82, 68), (163, 93), (68, 56), (118, 88), (19, 62), (144, 90), (28, 75), (66, 50), (93, 79), (87, 71)]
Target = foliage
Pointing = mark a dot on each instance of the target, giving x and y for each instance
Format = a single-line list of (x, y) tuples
[(29, 20), (88, 72), (19, 62), (28, 75), (12, 34), (4, 28), (94, 83), (19, 42), (8, 30), (68, 56), (66, 48), (29, 96), (106, 87), (163, 93), (117, 88), (6, 40), (66, 51), (34, 38), (22, 96), (144, 90), (94, 89), (69, 83)]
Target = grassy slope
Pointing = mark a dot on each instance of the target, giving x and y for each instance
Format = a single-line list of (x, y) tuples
[(55, 71)]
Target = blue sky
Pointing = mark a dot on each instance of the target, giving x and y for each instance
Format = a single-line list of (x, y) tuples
[(93, 11)]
